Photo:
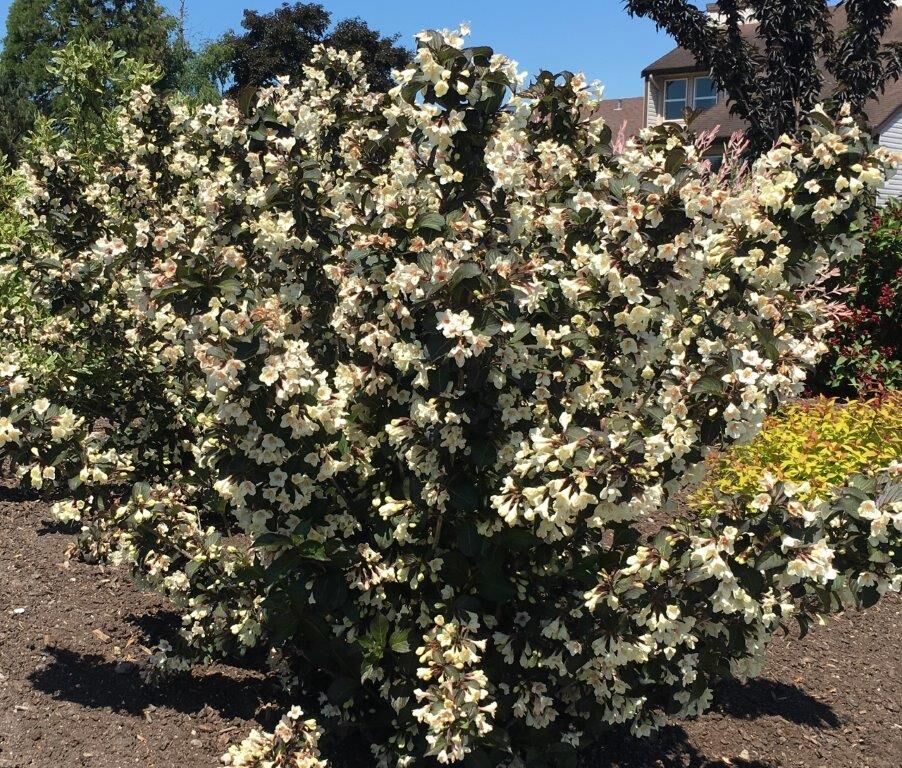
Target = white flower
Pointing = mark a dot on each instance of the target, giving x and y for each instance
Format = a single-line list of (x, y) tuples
[(868, 510), (18, 385), (453, 325), (762, 502)]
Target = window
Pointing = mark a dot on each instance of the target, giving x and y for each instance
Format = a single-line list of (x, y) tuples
[(674, 99), (705, 93)]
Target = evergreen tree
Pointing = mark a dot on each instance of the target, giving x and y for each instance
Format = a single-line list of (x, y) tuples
[(17, 116)]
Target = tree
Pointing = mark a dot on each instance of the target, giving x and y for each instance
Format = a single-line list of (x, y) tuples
[(37, 29), (17, 115), (206, 73), (380, 54), (281, 43), (773, 80)]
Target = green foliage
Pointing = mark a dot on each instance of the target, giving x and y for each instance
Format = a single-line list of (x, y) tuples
[(17, 116), (281, 42), (865, 351), (91, 81), (14, 293), (206, 73), (815, 445), (36, 32), (12, 226)]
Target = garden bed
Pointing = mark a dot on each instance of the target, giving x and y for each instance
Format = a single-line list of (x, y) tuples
[(73, 638)]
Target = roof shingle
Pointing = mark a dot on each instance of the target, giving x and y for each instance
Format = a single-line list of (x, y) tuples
[(627, 115)]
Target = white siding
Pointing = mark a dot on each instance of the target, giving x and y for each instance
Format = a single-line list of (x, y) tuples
[(891, 137), (652, 99)]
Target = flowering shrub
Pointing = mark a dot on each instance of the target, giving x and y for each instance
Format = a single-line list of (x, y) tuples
[(12, 290), (814, 446), (865, 352), (825, 539), (294, 744), (10, 189), (388, 380)]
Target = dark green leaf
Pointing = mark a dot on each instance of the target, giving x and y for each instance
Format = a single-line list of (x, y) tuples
[(330, 590), (469, 541), (397, 641), (433, 221), (708, 385)]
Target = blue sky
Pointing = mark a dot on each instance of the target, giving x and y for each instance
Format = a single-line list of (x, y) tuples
[(593, 36)]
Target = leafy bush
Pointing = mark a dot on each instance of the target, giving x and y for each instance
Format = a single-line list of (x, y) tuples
[(815, 445), (389, 380), (89, 81), (71, 353), (14, 294), (11, 224), (866, 346), (789, 540)]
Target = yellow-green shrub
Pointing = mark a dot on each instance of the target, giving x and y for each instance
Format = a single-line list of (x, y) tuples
[(821, 443)]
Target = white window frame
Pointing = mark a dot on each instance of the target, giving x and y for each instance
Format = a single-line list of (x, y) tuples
[(666, 101), (695, 91)]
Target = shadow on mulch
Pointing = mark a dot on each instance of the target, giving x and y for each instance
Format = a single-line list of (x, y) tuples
[(166, 625), (672, 748), (668, 748), (93, 681), (14, 493), (54, 527), (156, 626), (768, 698)]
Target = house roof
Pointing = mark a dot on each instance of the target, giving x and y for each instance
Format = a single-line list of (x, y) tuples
[(878, 110), (681, 60), (719, 118), (627, 115), (886, 105)]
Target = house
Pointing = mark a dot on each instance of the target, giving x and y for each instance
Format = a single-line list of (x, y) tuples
[(675, 83), (625, 116)]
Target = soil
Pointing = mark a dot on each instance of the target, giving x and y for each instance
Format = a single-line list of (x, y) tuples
[(73, 638)]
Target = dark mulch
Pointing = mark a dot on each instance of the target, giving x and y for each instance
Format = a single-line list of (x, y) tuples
[(71, 693)]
